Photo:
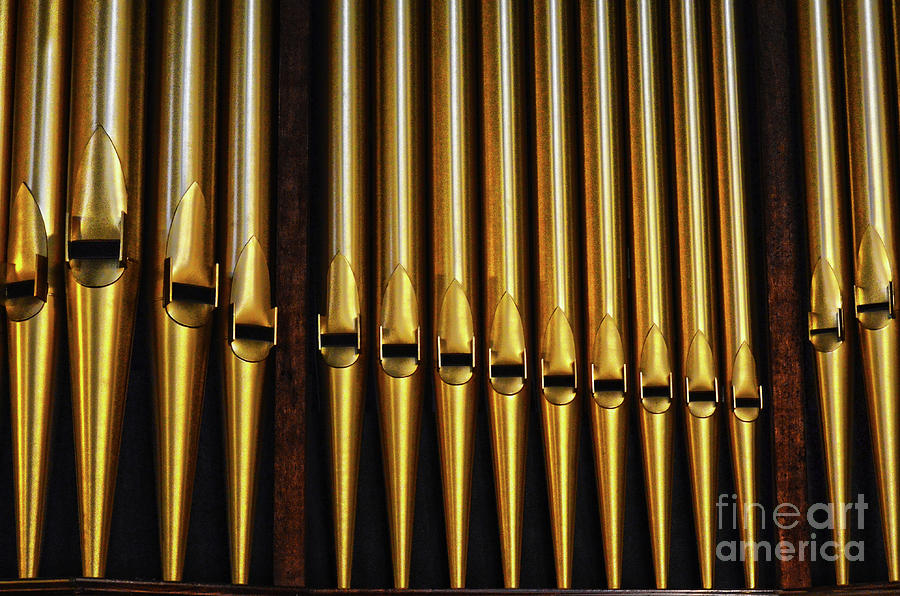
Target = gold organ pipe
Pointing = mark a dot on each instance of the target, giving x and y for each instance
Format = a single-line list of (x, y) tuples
[(7, 72), (830, 256), (873, 190), (250, 322), (698, 329), (607, 324), (653, 326), (182, 273), (103, 241), (455, 274), (744, 394), (400, 269), (558, 308), (506, 281), (343, 330), (34, 273)]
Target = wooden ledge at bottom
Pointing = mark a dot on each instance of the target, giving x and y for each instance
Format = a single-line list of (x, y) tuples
[(82, 585)]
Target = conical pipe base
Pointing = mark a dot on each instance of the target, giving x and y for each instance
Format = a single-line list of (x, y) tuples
[(609, 431), (560, 433), (702, 439), (180, 360), (743, 459), (400, 409), (657, 432), (101, 322), (244, 383), (345, 394), (881, 349), (456, 407), (509, 444), (33, 351)]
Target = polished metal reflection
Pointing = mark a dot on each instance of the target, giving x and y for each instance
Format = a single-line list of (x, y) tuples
[(606, 324), (400, 281), (36, 181), (873, 190), (102, 246), (507, 296), (743, 392), (182, 274), (343, 324), (653, 326), (558, 309), (831, 330), (454, 273), (249, 322), (699, 339)]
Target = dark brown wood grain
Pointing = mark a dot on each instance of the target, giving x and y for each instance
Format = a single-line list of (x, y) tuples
[(82, 585), (785, 268), (291, 265)]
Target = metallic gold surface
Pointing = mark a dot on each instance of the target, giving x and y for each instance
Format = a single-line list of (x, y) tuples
[(400, 297), (744, 395), (558, 309), (343, 322), (7, 72), (873, 189), (653, 327), (34, 251), (607, 322), (182, 276), (506, 281), (831, 331), (249, 321), (698, 329), (103, 236), (455, 274)]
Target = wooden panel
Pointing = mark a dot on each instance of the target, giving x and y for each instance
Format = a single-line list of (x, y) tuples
[(291, 265), (785, 269)]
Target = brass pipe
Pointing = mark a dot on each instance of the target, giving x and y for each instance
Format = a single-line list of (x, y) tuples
[(34, 280), (558, 308), (506, 281), (455, 274), (873, 190), (249, 320), (830, 257), (343, 335), (183, 276), (653, 326), (607, 322), (698, 329), (103, 242), (7, 80), (400, 269), (744, 393)]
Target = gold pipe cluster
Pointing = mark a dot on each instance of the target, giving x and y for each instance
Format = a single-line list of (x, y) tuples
[(73, 75), (454, 292)]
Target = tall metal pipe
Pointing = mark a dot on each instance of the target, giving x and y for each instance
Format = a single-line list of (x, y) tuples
[(698, 327), (606, 324), (250, 321), (182, 273), (103, 242), (873, 190), (400, 298), (507, 298), (744, 394), (36, 182), (455, 274), (558, 307), (830, 256), (343, 324), (653, 325)]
